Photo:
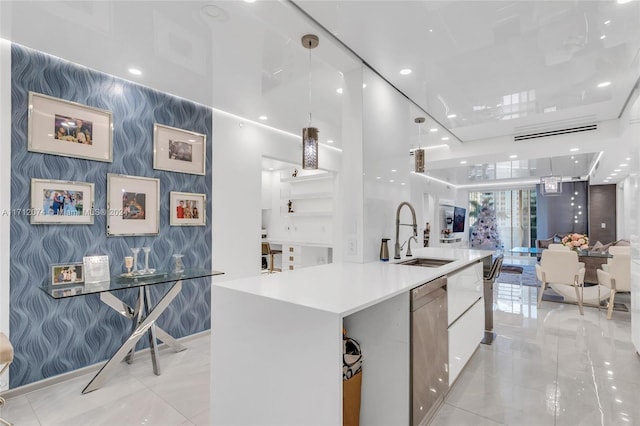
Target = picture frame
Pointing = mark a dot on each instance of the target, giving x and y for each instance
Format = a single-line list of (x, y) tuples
[(133, 205), (67, 274), (187, 209), (96, 269), (69, 129), (178, 150), (61, 202)]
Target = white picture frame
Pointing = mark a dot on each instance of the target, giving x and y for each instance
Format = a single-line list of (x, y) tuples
[(133, 205), (178, 150), (187, 209), (96, 269), (61, 202), (69, 129)]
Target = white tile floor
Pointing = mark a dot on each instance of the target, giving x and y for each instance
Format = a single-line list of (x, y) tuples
[(547, 367)]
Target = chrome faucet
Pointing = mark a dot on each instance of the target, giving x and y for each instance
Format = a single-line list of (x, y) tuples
[(415, 229)]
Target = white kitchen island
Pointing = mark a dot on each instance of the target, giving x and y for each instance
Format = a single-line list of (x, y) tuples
[(277, 339)]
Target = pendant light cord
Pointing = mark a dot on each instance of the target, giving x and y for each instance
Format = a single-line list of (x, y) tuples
[(309, 83)]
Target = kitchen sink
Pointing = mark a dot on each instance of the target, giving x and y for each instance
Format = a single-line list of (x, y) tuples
[(425, 262)]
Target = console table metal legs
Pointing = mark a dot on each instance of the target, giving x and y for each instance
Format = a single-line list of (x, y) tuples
[(144, 317)]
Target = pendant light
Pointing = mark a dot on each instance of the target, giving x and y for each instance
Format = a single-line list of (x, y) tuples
[(419, 153), (310, 134), (551, 185)]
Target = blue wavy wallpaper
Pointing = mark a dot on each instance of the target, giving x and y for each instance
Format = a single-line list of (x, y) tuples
[(50, 336)]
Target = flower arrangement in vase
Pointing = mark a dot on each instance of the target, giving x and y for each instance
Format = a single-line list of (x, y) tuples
[(576, 242)]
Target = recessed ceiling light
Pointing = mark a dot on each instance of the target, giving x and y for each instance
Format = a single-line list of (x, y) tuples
[(604, 84), (391, 181), (574, 149), (614, 174), (576, 161), (513, 156), (434, 129), (249, 1), (393, 170), (377, 177), (271, 168), (330, 141), (364, 85), (623, 1), (603, 36), (576, 193), (446, 138), (463, 162), (628, 158), (451, 116), (607, 22), (339, 90), (405, 71), (403, 183), (430, 30), (623, 165), (617, 170), (263, 117), (135, 71)]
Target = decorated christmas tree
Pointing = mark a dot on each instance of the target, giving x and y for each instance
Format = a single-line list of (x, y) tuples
[(484, 234)]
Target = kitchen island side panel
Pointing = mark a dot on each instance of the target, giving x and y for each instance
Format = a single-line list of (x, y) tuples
[(273, 362), (383, 333)]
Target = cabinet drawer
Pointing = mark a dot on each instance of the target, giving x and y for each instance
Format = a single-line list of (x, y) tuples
[(464, 337), (463, 289)]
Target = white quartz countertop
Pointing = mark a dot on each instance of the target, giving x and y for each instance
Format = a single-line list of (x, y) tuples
[(345, 288)]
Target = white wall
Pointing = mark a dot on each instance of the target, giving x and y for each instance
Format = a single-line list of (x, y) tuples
[(5, 188), (238, 148)]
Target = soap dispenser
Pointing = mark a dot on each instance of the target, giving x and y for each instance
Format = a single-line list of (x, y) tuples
[(384, 250)]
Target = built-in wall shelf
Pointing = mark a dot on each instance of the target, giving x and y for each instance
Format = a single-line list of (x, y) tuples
[(450, 240), (308, 214), (309, 196), (319, 176)]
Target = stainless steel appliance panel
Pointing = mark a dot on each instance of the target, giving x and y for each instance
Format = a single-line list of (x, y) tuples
[(429, 349)]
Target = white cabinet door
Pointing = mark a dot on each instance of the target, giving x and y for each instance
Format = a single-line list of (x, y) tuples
[(464, 288), (464, 338)]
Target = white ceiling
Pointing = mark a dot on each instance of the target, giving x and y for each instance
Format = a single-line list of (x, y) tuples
[(475, 59)]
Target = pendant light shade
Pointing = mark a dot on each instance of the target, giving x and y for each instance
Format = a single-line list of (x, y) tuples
[(418, 154), (551, 185), (309, 133), (309, 148)]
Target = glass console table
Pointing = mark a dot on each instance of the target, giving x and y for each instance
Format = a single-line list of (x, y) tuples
[(143, 316)]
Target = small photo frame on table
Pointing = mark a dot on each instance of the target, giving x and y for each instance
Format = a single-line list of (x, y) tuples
[(133, 205), (69, 129), (96, 269), (178, 150), (61, 202), (187, 209), (67, 274)]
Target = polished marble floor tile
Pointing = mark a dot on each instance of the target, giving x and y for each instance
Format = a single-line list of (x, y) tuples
[(548, 366)]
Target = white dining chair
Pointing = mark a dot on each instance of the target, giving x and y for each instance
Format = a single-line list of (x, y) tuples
[(555, 246), (616, 278), (561, 270)]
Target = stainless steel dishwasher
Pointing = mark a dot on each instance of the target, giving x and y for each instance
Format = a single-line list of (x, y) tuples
[(429, 349)]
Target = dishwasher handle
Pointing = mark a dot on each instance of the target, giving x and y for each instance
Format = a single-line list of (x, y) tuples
[(428, 292)]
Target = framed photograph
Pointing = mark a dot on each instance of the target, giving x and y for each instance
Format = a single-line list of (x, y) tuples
[(61, 202), (67, 274), (69, 129), (133, 205), (178, 150), (96, 269), (187, 209)]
